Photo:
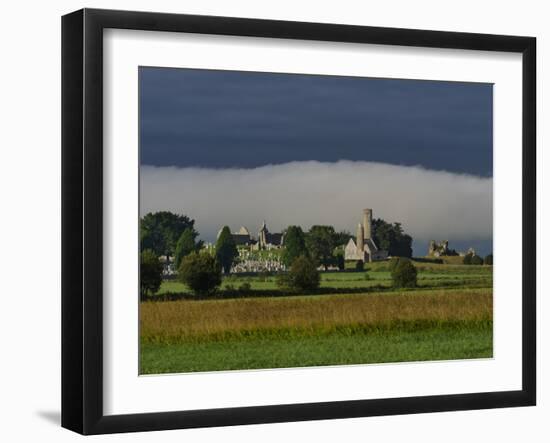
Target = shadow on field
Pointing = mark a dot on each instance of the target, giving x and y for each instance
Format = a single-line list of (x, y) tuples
[(236, 294)]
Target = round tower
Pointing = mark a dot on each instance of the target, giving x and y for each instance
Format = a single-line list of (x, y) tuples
[(360, 238), (367, 223)]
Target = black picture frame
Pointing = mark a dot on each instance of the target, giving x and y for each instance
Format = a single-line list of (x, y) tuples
[(82, 218)]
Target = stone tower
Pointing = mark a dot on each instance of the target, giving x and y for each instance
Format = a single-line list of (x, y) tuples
[(367, 223), (262, 236), (360, 238)]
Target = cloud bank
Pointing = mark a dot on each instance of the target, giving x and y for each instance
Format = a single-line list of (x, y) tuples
[(430, 204)]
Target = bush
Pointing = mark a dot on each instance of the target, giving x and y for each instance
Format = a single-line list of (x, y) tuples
[(403, 273), (359, 266), (488, 260), (392, 264), (150, 273), (302, 276), (476, 260), (201, 273), (245, 287), (470, 259)]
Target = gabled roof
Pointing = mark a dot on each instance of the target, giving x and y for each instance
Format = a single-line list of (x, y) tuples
[(370, 245), (243, 231), (351, 242)]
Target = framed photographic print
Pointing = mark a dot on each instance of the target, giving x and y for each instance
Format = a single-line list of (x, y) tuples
[(269, 221)]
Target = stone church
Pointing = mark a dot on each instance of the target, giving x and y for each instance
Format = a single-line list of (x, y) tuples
[(266, 239), (364, 248), (269, 240)]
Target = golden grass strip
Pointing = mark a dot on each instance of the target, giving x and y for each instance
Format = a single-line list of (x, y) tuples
[(190, 320)]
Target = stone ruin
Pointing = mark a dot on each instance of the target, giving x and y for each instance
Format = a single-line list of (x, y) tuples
[(439, 249), (442, 249)]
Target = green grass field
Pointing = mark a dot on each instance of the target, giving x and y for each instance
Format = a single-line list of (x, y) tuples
[(430, 276), (355, 280), (449, 316), (444, 343)]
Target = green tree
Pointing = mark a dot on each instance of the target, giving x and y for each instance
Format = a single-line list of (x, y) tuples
[(320, 244), (341, 238), (302, 276), (359, 266), (160, 231), (294, 245), (488, 260), (403, 273), (150, 273), (226, 249), (392, 238), (151, 239), (467, 260), (185, 246), (200, 272)]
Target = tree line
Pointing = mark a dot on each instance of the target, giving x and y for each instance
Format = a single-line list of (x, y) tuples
[(172, 235)]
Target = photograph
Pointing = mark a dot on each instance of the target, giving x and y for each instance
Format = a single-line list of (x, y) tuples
[(297, 220)]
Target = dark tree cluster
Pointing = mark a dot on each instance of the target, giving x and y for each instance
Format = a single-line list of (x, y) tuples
[(342, 238), (294, 245), (392, 238), (474, 259), (160, 232), (163, 234), (321, 243)]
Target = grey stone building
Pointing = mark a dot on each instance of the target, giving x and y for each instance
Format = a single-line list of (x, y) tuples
[(265, 240), (364, 248), (243, 237), (269, 240)]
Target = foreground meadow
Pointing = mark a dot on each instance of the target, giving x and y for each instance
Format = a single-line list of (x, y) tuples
[(428, 323)]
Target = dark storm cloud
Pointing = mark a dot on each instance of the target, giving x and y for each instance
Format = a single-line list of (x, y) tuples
[(225, 119)]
